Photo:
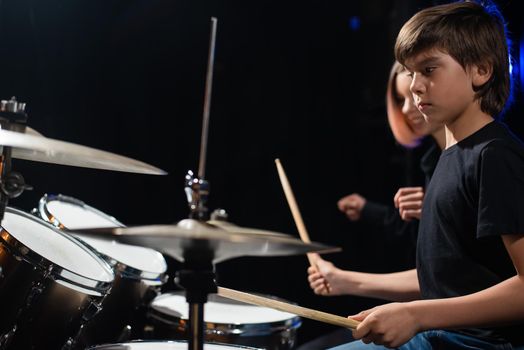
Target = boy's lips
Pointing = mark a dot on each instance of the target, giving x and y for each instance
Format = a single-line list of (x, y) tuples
[(423, 105)]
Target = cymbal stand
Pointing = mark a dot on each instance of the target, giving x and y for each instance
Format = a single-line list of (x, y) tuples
[(12, 184), (197, 275), (197, 192)]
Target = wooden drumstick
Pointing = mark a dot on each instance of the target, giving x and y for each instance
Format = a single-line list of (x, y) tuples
[(296, 214), (294, 208), (287, 307)]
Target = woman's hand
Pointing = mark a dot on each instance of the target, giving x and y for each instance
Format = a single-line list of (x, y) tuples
[(352, 206), (409, 200)]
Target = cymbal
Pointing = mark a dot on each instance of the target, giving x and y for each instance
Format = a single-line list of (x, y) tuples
[(33, 146), (191, 236), (230, 227)]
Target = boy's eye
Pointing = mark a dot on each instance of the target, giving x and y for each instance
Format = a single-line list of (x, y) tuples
[(428, 70)]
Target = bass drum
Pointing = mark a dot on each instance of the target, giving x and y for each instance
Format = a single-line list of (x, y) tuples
[(140, 272), (226, 321), (51, 285), (167, 345)]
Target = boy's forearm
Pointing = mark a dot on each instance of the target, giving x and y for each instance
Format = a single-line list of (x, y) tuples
[(498, 305), (397, 286)]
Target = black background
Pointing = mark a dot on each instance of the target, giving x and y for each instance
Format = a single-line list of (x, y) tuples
[(292, 80)]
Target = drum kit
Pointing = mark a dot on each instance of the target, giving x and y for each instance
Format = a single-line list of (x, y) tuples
[(73, 277)]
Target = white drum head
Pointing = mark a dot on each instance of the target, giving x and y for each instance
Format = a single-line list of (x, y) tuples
[(220, 310), (142, 259), (54, 246), (73, 216), (167, 345)]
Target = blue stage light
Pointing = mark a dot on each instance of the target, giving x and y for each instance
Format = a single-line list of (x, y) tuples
[(520, 71), (354, 23)]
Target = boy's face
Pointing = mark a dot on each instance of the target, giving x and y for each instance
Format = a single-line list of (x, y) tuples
[(412, 116), (442, 89)]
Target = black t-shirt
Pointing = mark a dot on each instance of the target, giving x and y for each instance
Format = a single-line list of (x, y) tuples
[(475, 196)]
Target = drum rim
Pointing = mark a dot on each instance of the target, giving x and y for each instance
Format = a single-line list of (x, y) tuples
[(45, 214), (108, 346), (125, 270), (56, 271), (238, 329)]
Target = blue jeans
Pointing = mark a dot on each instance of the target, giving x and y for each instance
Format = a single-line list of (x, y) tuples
[(434, 340)]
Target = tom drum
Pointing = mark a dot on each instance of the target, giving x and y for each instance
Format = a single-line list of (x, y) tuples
[(139, 272), (51, 285)]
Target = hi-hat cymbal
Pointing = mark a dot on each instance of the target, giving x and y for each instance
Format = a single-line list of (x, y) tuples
[(194, 237), (33, 146)]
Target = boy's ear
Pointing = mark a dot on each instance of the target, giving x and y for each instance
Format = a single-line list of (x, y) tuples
[(481, 74)]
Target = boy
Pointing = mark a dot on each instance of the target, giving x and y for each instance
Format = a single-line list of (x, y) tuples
[(470, 249)]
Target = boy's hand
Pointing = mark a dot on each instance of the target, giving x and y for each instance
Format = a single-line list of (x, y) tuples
[(390, 325), (408, 200), (323, 278), (352, 206)]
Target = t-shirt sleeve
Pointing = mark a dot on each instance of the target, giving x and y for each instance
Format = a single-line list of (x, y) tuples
[(501, 190)]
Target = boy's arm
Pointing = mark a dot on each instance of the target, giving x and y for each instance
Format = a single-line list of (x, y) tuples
[(397, 286), (501, 304), (394, 324)]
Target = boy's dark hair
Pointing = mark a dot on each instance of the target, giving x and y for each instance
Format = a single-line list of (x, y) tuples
[(470, 33)]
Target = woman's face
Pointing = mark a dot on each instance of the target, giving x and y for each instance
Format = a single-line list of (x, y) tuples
[(404, 98)]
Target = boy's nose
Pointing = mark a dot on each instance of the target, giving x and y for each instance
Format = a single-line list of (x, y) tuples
[(417, 87)]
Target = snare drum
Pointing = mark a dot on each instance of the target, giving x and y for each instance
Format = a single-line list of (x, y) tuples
[(50, 284), (226, 321), (167, 345), (140, 272)]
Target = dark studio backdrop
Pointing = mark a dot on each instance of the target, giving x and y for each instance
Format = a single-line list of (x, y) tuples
[(303, 81)]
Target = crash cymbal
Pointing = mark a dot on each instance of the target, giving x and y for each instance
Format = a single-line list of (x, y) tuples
[(33, 146), (194, 237)]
